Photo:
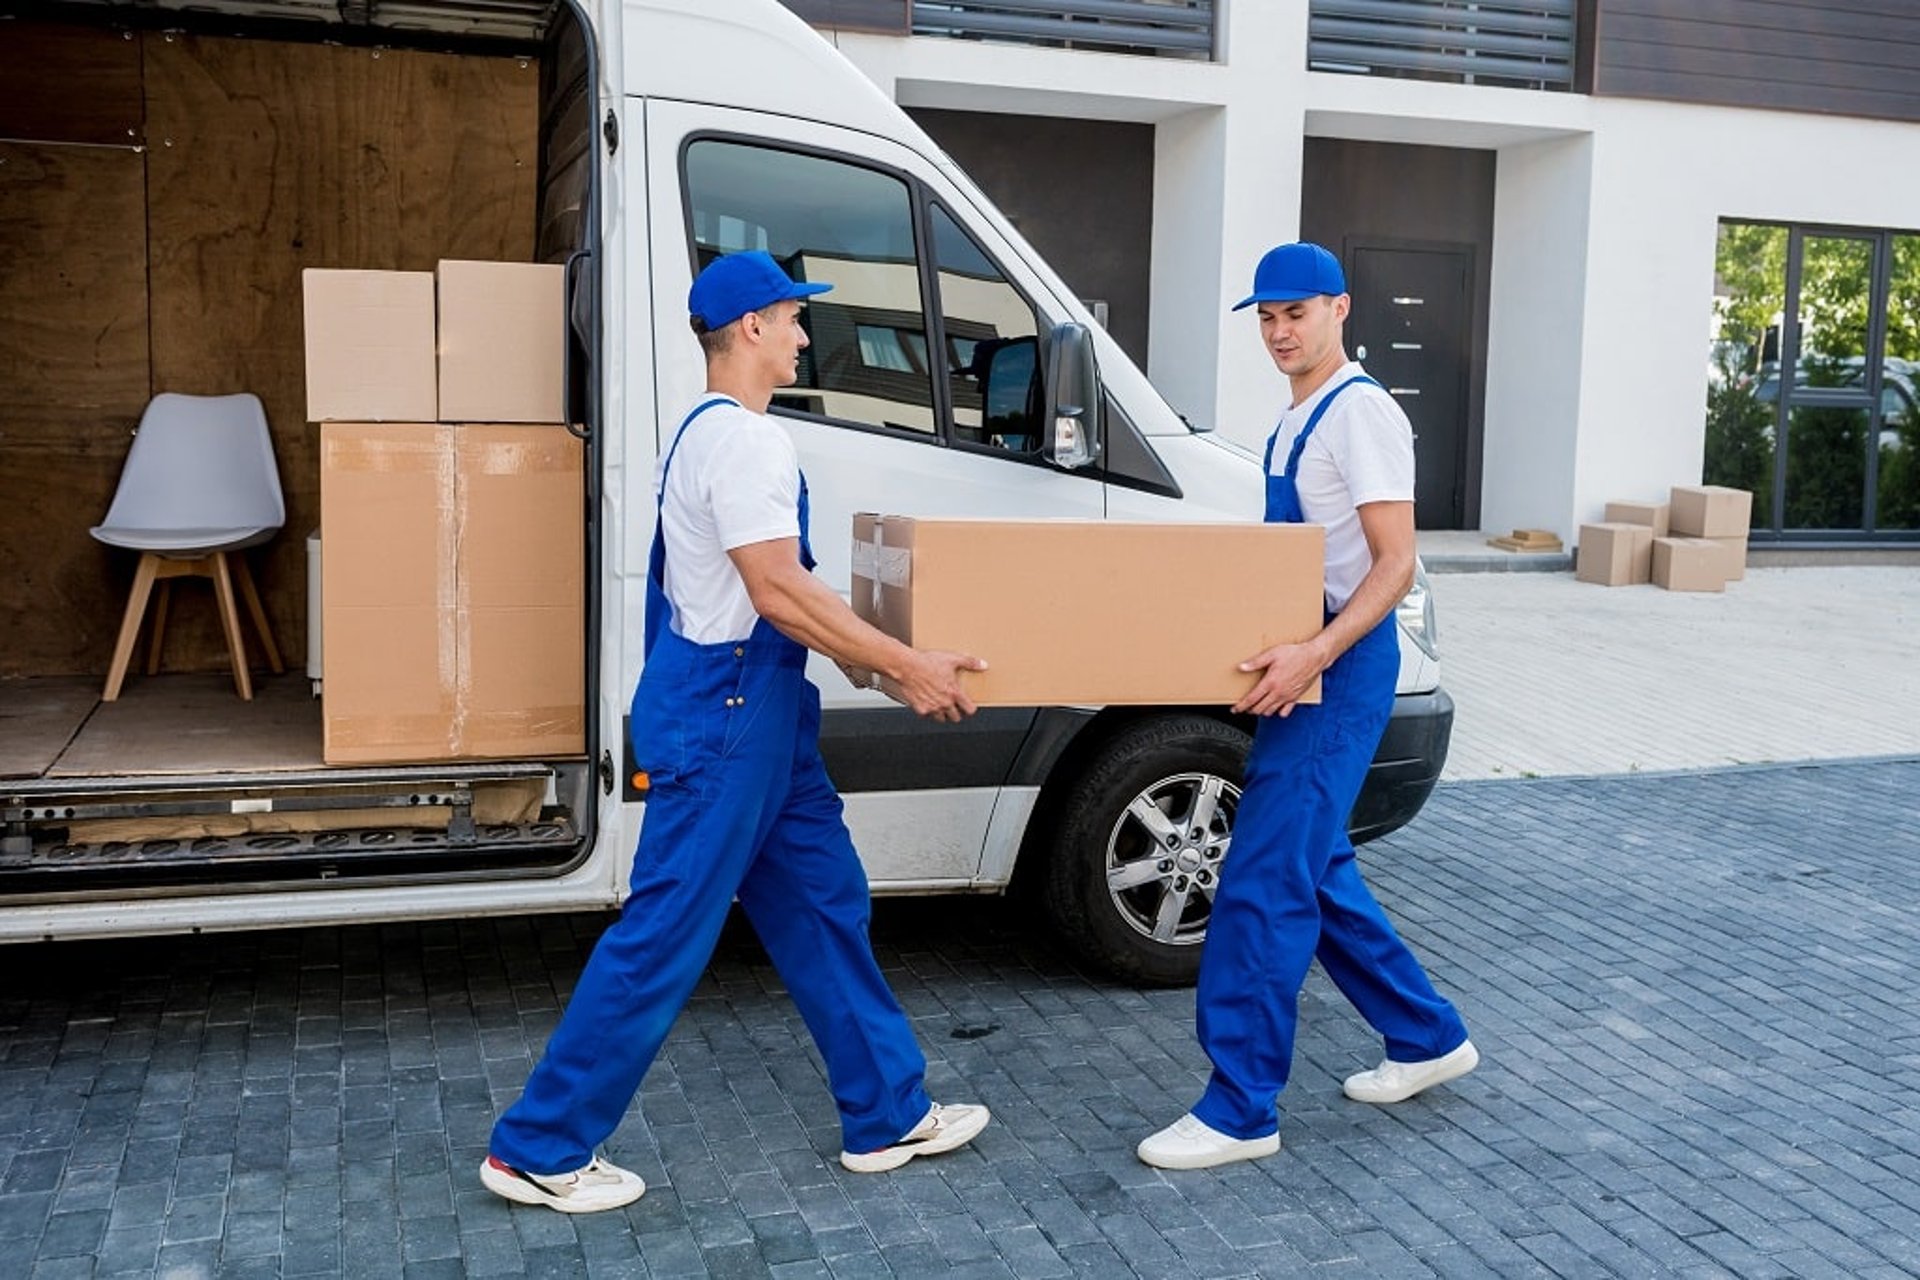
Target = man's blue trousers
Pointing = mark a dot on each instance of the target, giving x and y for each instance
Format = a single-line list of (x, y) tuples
[(740, 804), (1291, 890)]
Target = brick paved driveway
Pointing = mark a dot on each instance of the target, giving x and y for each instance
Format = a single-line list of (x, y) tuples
[(1696, 996)]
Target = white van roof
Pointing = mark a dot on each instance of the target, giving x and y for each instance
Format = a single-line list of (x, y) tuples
[(755, 54)]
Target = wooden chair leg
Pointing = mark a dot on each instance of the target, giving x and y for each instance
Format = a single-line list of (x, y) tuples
[(130, 625), (230, 623), (252, 597), (160, 603)]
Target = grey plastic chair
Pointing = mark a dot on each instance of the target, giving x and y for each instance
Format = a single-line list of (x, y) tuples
[(199, 485)]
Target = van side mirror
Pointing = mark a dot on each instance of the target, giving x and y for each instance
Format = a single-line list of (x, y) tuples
[(1072, 425)]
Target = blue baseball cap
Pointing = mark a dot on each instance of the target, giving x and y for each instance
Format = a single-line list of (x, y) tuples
[(1295, 271), (738, 283)]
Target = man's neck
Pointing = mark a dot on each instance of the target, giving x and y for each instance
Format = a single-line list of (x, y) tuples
[(752, 393), (1305, 384)]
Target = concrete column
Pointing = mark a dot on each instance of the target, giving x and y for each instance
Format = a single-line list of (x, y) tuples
[(1536, 335), (1226, 189)]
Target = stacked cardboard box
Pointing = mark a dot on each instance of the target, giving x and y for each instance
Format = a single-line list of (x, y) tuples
[(969, 586), (453, 591), (1694, 541)]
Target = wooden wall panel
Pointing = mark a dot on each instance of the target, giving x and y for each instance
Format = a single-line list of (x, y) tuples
[(73, 380), (268, 158), (1845, 57), (69, 84)]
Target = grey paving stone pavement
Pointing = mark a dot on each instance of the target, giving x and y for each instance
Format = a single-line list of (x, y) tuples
[(1695, 994)]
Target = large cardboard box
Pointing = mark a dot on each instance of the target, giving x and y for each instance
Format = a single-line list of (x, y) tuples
[(369, 345), (502, 341), (1709, 511), (1079, 612), (1615, 554), (520, 590), (454, 592), (1689, 564), (1651, 514)]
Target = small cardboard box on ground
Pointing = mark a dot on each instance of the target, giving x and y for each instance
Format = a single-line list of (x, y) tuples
[(1651, 514), (1615, 554), (453, 590), (369, 346), (502, 341), (1065, 613), (1689, 564), (1709, 511)]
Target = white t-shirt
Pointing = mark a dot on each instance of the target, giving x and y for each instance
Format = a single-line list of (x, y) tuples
[(1361, 452), (735, 480)]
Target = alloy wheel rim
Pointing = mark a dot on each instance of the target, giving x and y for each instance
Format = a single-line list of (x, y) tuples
[(1164, 856)]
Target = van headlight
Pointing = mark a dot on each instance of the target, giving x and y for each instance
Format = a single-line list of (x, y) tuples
[(1415, 612)]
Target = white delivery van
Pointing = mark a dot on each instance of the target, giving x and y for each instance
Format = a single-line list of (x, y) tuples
[(951, 372)]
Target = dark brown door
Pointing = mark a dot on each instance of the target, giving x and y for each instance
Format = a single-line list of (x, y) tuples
[(1411, 326)]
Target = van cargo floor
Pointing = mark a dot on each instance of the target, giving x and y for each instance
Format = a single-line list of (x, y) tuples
[(198, 724), (38, 718)]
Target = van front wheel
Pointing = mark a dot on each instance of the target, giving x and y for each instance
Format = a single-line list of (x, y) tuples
[(1138, 843)]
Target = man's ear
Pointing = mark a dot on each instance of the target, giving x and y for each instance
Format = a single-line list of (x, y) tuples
[(1342, 305)]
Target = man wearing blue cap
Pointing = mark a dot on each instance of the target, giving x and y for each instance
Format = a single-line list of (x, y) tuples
[(727, 728), (1342, 456)]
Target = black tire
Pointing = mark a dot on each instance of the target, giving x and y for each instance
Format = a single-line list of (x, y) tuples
[(1171, 764)]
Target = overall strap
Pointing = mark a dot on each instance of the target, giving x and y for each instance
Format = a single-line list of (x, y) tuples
[(666, 466), (1313, 420)]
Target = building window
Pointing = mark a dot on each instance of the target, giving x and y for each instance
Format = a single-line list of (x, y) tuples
[(1813, 399)]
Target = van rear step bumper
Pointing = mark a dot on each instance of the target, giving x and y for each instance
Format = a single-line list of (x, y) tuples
[(71, 833)]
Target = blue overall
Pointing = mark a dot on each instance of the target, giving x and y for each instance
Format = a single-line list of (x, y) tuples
[(740, 805), (1290, 888)]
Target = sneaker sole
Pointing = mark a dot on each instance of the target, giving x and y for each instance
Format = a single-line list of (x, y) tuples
[(1467, 1062), (511, 1188), (1242, 1149), (890, 1158)]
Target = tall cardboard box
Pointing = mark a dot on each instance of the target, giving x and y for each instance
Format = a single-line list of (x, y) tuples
[(521, 590), (1689, 564), (1615, 555), (1709, 511), (453, 589), (369, 346), (390, 668), (502, 341), (1651, 514), (1061, 612)]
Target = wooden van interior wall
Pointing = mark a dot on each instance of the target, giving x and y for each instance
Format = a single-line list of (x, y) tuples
[(125, 272)]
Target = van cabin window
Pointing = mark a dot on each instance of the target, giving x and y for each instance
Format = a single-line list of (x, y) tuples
[(838, 223), (993, 345)]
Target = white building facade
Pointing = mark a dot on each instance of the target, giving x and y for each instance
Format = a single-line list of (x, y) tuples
[(1591, 309)]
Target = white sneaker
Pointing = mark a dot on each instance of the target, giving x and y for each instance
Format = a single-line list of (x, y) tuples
[(1397, 1081), (594, 1186), (943, 1129), (1192, 1143)]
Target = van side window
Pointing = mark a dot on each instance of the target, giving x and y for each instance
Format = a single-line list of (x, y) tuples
[(825, 220), (993, 345)]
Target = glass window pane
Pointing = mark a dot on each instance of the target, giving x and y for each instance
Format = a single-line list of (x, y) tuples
[(1826, 468), (1898, 501), (992, 345), (1836, 286), (827, 220), (1743, 387)]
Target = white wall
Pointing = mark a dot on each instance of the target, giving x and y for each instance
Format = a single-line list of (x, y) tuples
[(1605, 220), (1534, 336)]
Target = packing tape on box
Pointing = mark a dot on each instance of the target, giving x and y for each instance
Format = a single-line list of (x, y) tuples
[(883, 566)]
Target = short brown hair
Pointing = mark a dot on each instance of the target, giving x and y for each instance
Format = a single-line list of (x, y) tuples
[(717, 342)]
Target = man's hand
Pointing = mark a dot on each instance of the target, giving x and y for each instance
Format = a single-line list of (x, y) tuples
[(928, 681), (1289, 671)]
